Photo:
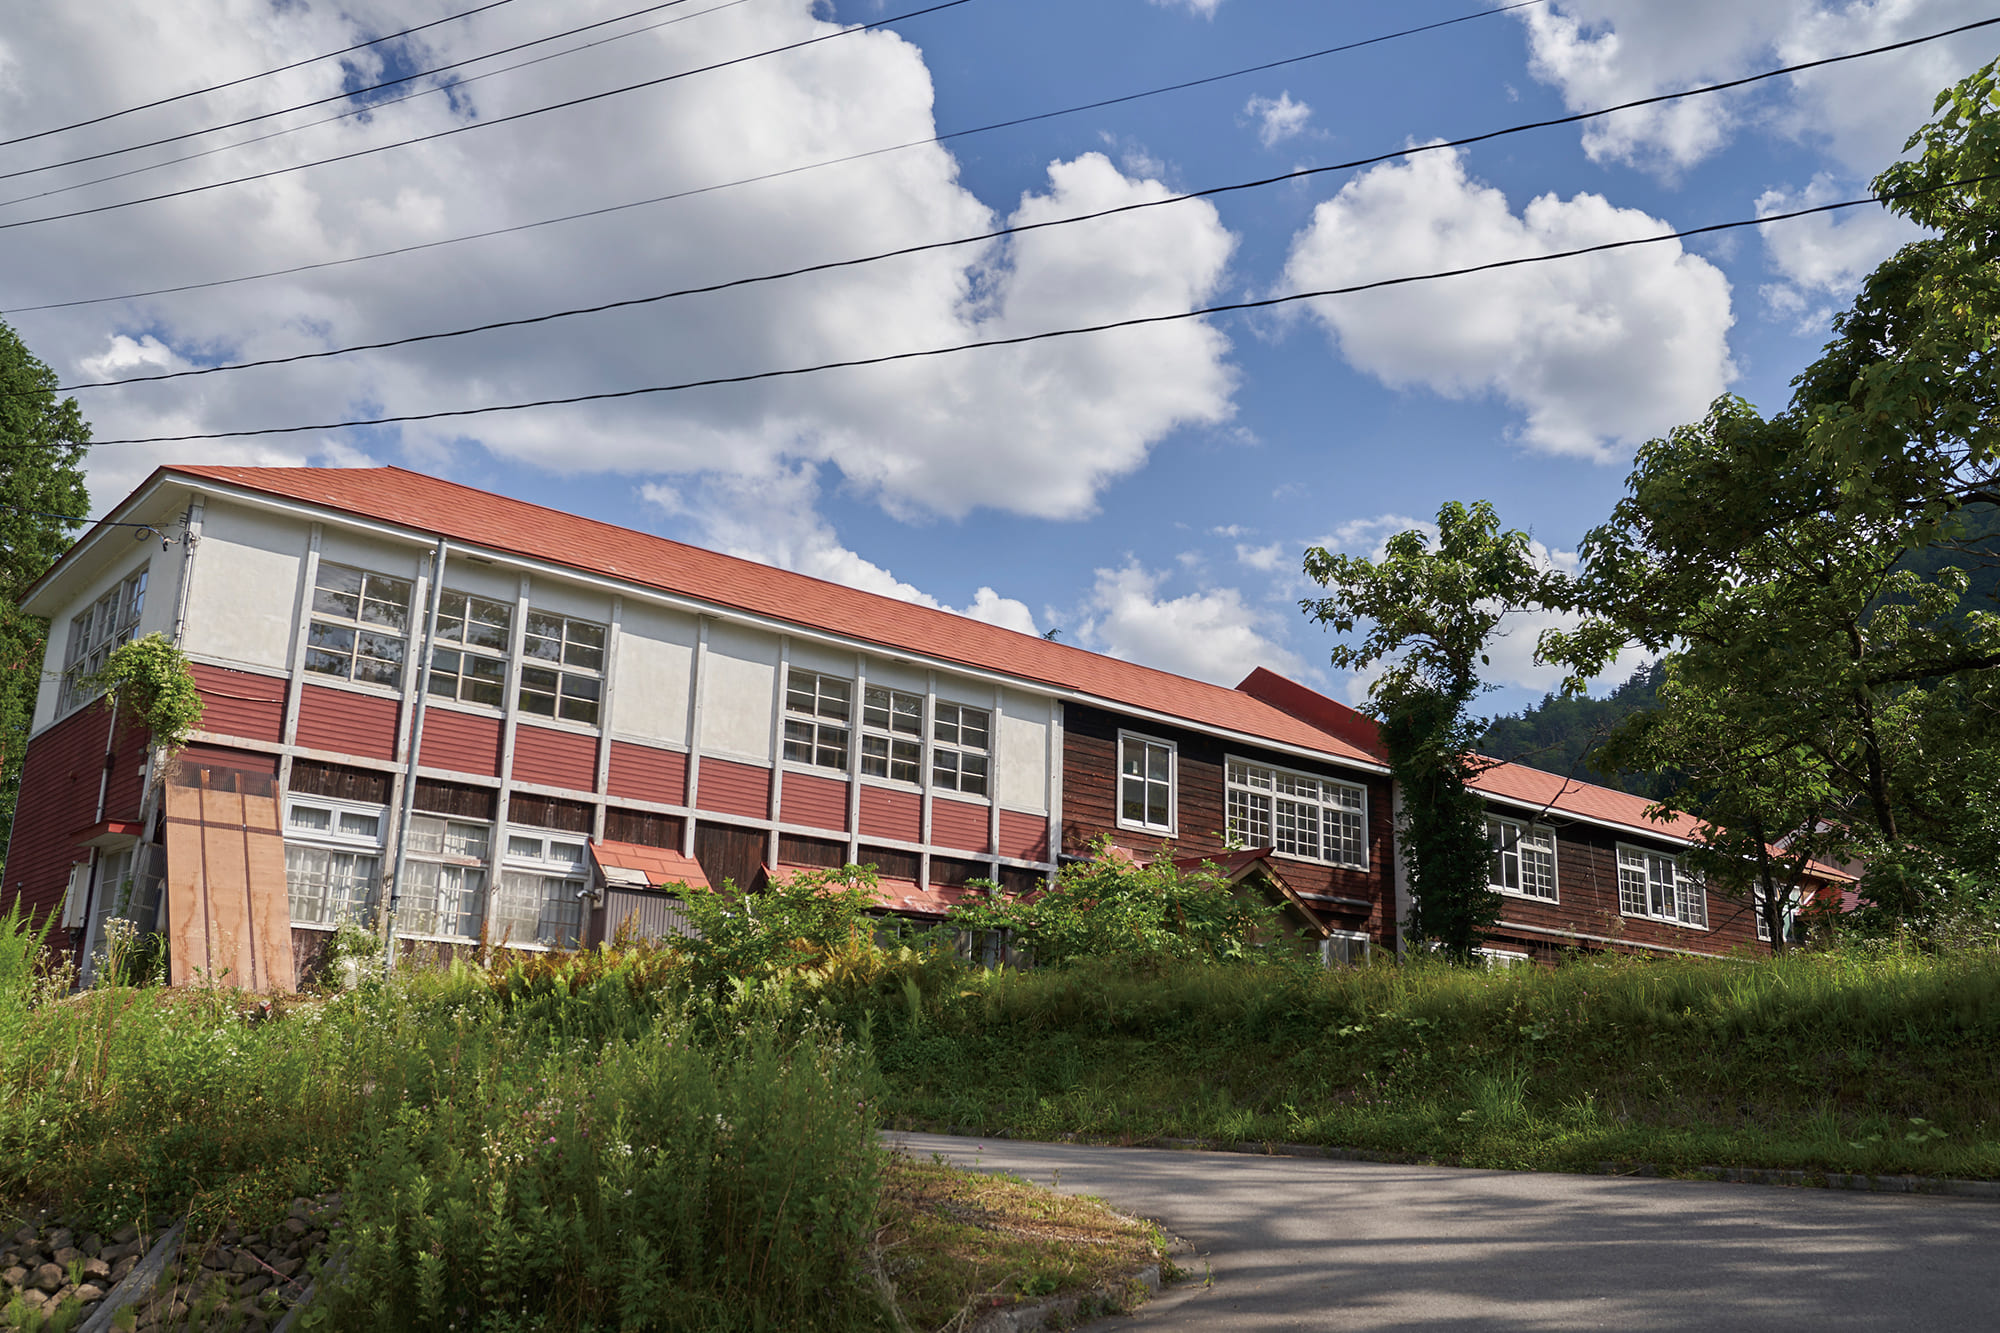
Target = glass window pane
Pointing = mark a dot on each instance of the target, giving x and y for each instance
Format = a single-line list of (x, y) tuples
[(538, 678), (528, 847), (327, 664), (361, 826), (1157, 811), (1159, 763), (331, 638), (311, 818), (1132, 800)]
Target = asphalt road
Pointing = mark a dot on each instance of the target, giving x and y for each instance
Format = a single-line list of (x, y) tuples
[(1302, 1243)]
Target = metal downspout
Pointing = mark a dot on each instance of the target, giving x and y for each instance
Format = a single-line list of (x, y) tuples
[(422, 667)]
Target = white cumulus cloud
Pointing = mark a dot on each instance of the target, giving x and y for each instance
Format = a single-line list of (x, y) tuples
[(1599, 352), (1278, 118), (1820, 260), (1212, 635)]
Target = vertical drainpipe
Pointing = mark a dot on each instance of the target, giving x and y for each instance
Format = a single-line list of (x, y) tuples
[(422, 666)]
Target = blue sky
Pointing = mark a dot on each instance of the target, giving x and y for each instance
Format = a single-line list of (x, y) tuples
[(1146, 494)]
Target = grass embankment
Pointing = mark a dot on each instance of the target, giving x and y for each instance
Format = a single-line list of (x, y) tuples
[(1853, 1062), (578, 1145)]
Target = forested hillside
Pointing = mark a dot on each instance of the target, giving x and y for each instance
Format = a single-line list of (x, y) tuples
[(1558, 735)]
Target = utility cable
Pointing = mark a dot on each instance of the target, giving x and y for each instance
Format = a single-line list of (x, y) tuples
[(341, 96), (1140, 321), (78, 520), (250, 78), (982, 237), (769, 175), (373, 107), (485, 124)]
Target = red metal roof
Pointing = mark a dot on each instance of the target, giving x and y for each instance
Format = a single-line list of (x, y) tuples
[(480, 518), (1531, 786), (660, 866)]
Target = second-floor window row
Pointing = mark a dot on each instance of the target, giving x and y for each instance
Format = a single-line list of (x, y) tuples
[(93, 635), (819, 718)]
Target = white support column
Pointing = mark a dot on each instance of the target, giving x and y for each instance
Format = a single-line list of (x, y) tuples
[(694, 736), (854, 760), (301, 632), (603, 781), (930, 731), (416, 670), (777, 750), (1056, 780), (993, 730), (517, 647)]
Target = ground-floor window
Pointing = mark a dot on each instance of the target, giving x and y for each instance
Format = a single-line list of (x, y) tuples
[(333, 860), (444, 881), (1654, 885)]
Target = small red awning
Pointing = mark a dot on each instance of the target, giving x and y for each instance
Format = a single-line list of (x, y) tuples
[(628, 865)]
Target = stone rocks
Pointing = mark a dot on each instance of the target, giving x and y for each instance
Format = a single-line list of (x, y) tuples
[(47, 1278)]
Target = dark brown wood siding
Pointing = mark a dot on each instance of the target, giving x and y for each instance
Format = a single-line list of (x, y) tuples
[(1090, 793), (734, 854)]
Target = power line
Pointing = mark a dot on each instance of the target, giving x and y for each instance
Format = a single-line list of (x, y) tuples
[(250, 78), (980, 238), (979, 344), (320, 101), (79, 520), (372, 107), (484, 124), (771, 175)]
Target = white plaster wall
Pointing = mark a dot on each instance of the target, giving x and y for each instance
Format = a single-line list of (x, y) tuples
[(898, 675), (374, 554), (243, 604), (953, 689), (557, 597), (1022, 782), (808, 655), (494, 583), (738, 680), (655, 656)]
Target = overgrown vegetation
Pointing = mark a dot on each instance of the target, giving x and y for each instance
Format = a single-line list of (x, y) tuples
[(150, 679)]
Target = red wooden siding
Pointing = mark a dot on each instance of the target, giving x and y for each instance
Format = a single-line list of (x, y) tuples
[(642, 773), (127, 788), (555, 758), (957, 824), (812, 801), (461, 742), (896, 815), (241, 703), (1024, 836), (727, 788), (59, 778), (347, 722)]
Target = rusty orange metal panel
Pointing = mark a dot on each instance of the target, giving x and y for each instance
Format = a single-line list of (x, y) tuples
[(228, 911)]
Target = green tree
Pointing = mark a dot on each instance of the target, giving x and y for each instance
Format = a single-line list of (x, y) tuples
[(42, 441), (1430, 609), (1565, 733)]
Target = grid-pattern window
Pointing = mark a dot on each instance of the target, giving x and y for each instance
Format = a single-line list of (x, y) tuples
[(469, 656), (1145, 784), (1654, 885), (1521, 859), (562, 668), (444, 889), (961, 741), (1298, 814), (537, 899), (109, 622), (892, 735), (360, 625), (333, 861), (1344, 948), (818, 713)]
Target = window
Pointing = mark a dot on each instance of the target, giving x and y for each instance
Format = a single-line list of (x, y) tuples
[(817, 715), (446, 883), (108, 622), (1789, 914), (1654, 885), (1298, 814), (537, 901), (892, 735), (1145, 784), (961, 738), (360, 625), (333, 861), (1521, 859), (571, 685), (469, 656), (1344, 948)]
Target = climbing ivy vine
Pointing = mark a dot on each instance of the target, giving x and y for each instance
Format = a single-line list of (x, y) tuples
[(150, 678)]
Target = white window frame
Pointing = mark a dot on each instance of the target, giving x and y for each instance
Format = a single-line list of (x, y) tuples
[(1242, 791), (96, 632), (1349, 939), (537, 878), (334, 621), (456, 894), (1147, 745), (1517, 839), (821, 733), (957, 764), (571, 679), (1494, 959), (332, 842), (458, 613), (1790, 915), (1641, 891), (888, 746)]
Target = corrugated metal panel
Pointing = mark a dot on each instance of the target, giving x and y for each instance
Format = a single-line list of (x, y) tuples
[(649, 916), (1024, 836), (347, 722), (643, 773), (59, 777), (813, 801), (552, 758), (240, 703), (896, 815), (959, 824), (461, 742), (728, 788)]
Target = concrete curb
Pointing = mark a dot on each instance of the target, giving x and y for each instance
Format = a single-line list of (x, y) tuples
[(1062, 1311), (1988, 1190), (138, 1283)]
